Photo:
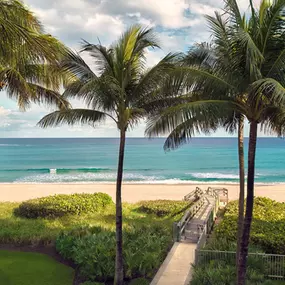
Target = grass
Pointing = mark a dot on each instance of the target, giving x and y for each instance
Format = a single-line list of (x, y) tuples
[(21, 268), (16, 230), (140, 227)]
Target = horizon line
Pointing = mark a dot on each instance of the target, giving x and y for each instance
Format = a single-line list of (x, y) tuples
[(232, 137)]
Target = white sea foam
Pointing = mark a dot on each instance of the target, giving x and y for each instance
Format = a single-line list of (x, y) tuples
[(145, 182), (53, 177), (214, 175)]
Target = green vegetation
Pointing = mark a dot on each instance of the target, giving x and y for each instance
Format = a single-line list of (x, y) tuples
[(88, 239), (267, 236), (32, 269), (139, 281), (221, 273), (91, 283), (62, 205), (162, 208), (93, 250), (23, 231), (268, 225), (29, 58)]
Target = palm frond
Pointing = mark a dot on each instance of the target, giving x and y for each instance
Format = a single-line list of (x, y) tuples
[(47, 97), (16, 87), (267, 89), (277, 69), (103, 57), (200, 55), (248, 50), (72, 117), (76, 67), (166, 121), (271, 22), (273, 122), (153, 78), (183, 133), (231, 9)]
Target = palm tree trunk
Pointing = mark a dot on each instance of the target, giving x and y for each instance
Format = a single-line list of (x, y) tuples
[(241, 184), (241, 279), (119, 270)]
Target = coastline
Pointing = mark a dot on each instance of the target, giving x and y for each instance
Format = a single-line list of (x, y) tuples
[(16, 192)]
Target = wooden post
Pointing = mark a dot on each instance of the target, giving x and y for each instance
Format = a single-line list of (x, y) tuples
[(174, 231)]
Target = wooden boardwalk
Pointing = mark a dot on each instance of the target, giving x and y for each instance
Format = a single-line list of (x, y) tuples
[(177, 267)]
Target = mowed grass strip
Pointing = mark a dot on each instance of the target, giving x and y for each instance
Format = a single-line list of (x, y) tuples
[(22, 268)]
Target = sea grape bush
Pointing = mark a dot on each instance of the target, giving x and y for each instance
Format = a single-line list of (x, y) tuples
[(162, 208), (268, 225), (61, 205)]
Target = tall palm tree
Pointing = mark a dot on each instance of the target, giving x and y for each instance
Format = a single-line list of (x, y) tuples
[(252, 84), (29, 69), (119, 92), (214, 58)]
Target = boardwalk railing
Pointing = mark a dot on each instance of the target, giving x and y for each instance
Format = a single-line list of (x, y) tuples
[(200, 198), (222, 193), (272, 265), (194, 195), (178, 228)]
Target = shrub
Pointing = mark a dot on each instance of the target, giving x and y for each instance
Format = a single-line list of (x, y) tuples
[(162, 208), (221, 273), (93, 250), (61, 205), (268, 225), (91, 283), (139, 281)]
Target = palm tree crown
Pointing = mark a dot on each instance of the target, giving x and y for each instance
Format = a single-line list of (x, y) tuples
[(29, 69), (120, 88)]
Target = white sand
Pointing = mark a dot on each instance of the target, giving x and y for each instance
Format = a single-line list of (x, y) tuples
[(130, 192)]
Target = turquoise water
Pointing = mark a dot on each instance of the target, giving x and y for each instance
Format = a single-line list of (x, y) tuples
[(84, 160)]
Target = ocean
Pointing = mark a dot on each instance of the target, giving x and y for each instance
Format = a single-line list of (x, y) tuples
[(89, 160)]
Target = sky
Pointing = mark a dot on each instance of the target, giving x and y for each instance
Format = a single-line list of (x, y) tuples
[(178, 23)]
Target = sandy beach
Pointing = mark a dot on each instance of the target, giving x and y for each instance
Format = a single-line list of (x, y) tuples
[(130, 192)]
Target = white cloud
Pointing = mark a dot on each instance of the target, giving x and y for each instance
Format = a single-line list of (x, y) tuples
[(4, 112), (178, 23), (105, 24)]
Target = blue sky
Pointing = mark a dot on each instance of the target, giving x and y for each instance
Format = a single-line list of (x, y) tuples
[(179, 24)]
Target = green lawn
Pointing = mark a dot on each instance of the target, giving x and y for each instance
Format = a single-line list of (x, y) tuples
[(21, 268)]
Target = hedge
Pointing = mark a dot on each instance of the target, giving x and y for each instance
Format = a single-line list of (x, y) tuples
[(162, 208), (61, 205)]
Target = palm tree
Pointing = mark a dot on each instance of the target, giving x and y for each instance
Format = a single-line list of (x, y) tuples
[(118, 92), (29, 70), (251, 84), (214, 59)]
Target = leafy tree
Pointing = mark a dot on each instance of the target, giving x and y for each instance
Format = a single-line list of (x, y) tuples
[(118, 91), (29, 70)]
